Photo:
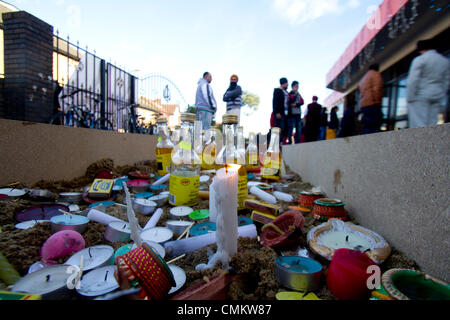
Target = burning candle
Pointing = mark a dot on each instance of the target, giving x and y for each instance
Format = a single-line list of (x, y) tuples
[(157, 234), (94, 257), (98, 282)]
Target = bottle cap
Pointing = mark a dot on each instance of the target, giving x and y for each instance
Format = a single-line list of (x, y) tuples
[(188, 117), (230, 119), (161, 120)]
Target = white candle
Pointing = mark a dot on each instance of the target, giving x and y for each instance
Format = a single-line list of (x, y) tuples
[(154, 219), (212, 204), (343, 240), (102, 217), (11, 192), (283, 196), (94, 257), (157, 234), (29, 224), (162, 180), (180, 212), (204, 178), (264, 196), (44, 281), (179, 276), (179, 247), (98, 282)]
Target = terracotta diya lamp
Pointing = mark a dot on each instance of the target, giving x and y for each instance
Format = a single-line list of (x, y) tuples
[(104, 174), (284, 231), (408, 284), (144, 268), (41, 212), (3, 196), (325, 209), (347, 275), (335, 234), (307, 198)]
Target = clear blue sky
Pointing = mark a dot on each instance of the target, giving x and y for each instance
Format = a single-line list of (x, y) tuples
[(259, 40)]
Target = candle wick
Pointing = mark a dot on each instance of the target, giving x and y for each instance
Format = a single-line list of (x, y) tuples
[(106, 276), (346, 239), (48, 278), (89, 251)]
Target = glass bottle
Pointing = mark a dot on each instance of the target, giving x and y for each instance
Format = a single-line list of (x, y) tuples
[(272, 159), (251, 154), (210, 150), (185, 170), (164, 148), (230, 154)]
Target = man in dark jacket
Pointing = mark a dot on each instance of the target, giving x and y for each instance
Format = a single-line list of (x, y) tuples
[(279, 105), (313, 121), (233, 97), (294, 118)]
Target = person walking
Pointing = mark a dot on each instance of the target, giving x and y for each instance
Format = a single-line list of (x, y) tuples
[(312, 120), (333, 124), (294, 118), (280, 107), (371, 89), (233, 97), (205, 102), (428, 84)]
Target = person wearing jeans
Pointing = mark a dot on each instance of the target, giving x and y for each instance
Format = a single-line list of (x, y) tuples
[(279, 106), (205, 102), (371, 88), (294, 118)]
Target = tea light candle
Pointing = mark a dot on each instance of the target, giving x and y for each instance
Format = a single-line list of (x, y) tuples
[(157, 234), (161, 199), (158, 248), (101, 217), (264, 196), (118, 232), (98, 282), (11, 192), (204, 178), (343, 240), (179, 276), (69, 222), (50, 281), (28, 224), (94, 257), (178, 226), (178, 213)]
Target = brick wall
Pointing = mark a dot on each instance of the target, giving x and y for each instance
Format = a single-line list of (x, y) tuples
[(28, 51)]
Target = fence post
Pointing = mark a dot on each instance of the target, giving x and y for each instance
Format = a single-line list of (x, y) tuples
[(103, 76)]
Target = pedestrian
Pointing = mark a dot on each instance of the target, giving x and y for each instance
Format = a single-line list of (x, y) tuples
[(205, 102), (348, 125), (323, 124), (428, 84), (233, 97), (312, 120), (294, 118), (333, 125), (371, 89), (280, 107)]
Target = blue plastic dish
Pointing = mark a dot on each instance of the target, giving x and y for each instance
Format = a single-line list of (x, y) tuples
[(104, 203), (243, 221), (202, 228), (120, 182), (158, 187), (143, 195), (250, 176)]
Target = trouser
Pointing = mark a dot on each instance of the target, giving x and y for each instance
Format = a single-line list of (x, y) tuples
[(372, 118), (205, 116), (322, 133), (236, 112), (294, 122), (423, 113)]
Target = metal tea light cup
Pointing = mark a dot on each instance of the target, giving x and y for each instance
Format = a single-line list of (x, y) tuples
[(298, 273), (118, 232), (69, 222)]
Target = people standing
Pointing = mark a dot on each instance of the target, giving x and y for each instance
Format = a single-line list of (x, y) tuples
[(333, 124), (233, 97), (205, 102), (371, 89), (348, 125), (280, 107), (312, 120), (323, 124), (294, 118), (428, 84)]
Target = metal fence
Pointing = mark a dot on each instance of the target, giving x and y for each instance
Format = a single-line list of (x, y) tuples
[(89, 82)]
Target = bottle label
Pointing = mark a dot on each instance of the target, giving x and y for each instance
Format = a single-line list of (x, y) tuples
[(183, 190), (271, 170), (164, 160), (242, 188)]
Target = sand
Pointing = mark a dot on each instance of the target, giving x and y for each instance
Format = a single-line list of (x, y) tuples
[(253, 263)]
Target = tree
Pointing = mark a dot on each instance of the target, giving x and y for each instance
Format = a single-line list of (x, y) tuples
[(251, 101)]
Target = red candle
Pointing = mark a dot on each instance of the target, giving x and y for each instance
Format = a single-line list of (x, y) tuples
[(347, 275)]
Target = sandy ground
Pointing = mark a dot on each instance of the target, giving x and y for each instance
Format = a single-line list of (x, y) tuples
[(253, 263)]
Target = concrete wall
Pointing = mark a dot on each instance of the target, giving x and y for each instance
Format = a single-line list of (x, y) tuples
[(395, 183), (30, 152)]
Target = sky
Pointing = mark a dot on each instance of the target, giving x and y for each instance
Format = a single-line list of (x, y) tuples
[(259, 40)]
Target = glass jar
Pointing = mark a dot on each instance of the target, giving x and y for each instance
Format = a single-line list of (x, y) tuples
[(273, 159), (251, 154), (164, 147), (210, 150), (185, 170)]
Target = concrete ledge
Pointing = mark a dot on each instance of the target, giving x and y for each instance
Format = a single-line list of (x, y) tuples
[(30, 152), (395, 183)]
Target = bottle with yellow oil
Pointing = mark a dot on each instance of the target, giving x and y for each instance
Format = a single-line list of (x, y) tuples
[(233, 152), (251, 154), (164, 148), (210, 150), (272, 162), (185, 170)]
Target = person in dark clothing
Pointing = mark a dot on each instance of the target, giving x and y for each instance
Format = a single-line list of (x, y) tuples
[(323, 124), (333, 124), (294, 118), (348, 125), (279, 105), (313, 121)]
